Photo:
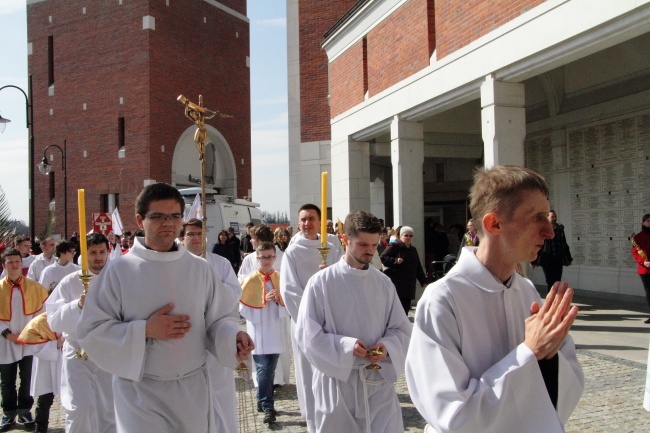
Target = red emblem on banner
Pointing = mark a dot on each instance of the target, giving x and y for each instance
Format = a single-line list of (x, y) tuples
[(102, 223)]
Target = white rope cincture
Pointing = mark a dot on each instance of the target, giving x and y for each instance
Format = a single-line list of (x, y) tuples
[(365, 382)]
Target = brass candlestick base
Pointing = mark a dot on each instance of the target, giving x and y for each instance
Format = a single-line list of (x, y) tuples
[(85, 278), (323, 250), (374, 352)]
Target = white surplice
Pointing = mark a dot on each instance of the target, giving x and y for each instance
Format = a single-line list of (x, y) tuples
[(37, 266), (301, 260), (46, 369), (159, 385), (222, 380), (283, 369), (467, 367), (341, 305), (86, 389), (54, 273)]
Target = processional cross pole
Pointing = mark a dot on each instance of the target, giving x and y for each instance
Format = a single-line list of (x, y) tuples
[(198, 114)]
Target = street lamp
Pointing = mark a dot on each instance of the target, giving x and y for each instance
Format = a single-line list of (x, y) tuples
[(45, 168), (29, 116)]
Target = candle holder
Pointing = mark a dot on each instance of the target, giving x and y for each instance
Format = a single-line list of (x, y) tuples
[(323, 250), (85, 278)]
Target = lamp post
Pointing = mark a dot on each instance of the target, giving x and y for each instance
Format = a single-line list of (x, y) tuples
[(29, 116), (45, 168)]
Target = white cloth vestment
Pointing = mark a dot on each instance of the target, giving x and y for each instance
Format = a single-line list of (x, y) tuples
[(467, 367), (222, 380), (341, 305), (159, 385), (37, 266), (86, 390), (301, 260), (53, 274)]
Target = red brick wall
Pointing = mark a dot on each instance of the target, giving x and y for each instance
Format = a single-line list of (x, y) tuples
[(104, 55), (347, 79), (315, 18), (399, 46), (459, 22)]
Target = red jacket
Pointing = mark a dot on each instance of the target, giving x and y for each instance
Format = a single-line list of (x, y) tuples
[(642, 240)]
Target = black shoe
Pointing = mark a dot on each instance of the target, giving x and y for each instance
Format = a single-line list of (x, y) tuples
[(259, 407), (647, 321), (7, 423), (27, 421), (269, 417)]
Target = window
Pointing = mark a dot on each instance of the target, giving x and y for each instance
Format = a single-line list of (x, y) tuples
[(50, 60), (121, 135)]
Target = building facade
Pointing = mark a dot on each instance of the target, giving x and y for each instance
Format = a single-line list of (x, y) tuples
[(421, 92), (106, 76)]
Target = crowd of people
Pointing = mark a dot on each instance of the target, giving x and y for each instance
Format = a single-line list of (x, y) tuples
[(159, 325)]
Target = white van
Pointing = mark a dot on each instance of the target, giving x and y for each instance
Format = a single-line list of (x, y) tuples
[(224, 211)]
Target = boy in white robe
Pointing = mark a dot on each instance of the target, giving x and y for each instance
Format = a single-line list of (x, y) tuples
[(249, 265), (484, 356), (51, 275), (153, 318), (262, 307), (21, 299), (348, 311), (86, 389), (301, 260), (46, 258), (222, 380)]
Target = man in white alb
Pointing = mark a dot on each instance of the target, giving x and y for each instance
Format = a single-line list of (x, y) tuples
[(151, 321), (86, 390), (485, 354), (301, 260), (51, 275), (348, 311), (222, 380), (46, 258)]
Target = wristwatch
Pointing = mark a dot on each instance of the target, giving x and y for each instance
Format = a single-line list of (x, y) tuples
[(5, 332)]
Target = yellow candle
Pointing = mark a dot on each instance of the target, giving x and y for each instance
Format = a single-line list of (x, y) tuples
[(81, 198), (323, 208)]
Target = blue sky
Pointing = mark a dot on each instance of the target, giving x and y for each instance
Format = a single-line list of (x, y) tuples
[(268, 106)]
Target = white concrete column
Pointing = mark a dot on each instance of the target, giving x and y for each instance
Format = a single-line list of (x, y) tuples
[(350, 177), (407, 158), (503, 122)]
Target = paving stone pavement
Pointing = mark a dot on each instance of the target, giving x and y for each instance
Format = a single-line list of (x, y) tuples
[(612, 401)]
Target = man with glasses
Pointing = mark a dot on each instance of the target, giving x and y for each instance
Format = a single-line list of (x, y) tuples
[(222, 381), (403, 267), (155, 314), (46, 258), (264, 311)]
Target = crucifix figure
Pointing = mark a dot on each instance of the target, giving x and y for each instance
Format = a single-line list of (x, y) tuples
[(198, 114)]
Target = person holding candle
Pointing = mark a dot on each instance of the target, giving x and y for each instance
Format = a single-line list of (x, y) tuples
[(152, 318), (86, 391), (301, 260)]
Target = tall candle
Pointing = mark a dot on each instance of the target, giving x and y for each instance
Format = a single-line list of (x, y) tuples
[(323, 208), (81, 199)]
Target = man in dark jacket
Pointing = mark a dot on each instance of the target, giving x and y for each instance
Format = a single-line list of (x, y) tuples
[(403, 267), (554, 254)]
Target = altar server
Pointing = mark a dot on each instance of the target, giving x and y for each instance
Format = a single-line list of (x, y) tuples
[(485, 355)]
